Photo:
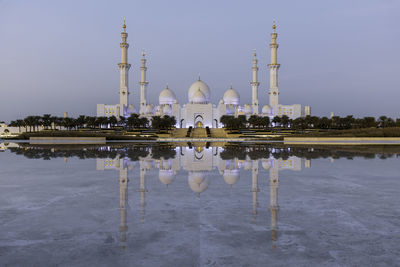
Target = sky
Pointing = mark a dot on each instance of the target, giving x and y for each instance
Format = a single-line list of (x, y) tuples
[(338, 56)]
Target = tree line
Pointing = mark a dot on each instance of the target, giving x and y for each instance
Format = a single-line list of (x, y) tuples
[(49, 122), (308, 122)]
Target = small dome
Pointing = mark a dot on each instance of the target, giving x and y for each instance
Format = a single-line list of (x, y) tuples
[(203, 88), (231, 176), (230, 110), (247, 109), (166, 97), (266, 109), (166, 176), (231, 97), (167, 110), (149, 109), (199, 97)]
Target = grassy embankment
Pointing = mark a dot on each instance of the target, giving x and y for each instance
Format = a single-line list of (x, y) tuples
[(364, 132)]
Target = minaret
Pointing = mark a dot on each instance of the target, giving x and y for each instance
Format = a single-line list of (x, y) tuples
[(255, 84), (273, 202), (273, 72), (124, 71), (255, 188), (143, 85), (123, 198)]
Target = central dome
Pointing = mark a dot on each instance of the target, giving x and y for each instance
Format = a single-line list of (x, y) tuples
[(199, 97), (203, 88)]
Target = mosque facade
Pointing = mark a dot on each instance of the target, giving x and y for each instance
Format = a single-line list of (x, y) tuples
[(199, 111)]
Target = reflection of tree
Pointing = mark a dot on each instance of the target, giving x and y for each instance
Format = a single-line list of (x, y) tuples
[(281, 151), (82, 152), (163, 151), (239, 151)]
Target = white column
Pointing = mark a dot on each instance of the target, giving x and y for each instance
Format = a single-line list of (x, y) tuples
[(123, 198), (254, 187), (124, 71), (142, 188), (273, 73), (254, 85), (273, 202), (143, 85)]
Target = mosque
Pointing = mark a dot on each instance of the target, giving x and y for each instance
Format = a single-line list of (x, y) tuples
[(199, 111)]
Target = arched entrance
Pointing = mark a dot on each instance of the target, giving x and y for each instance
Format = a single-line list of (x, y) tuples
[(198, 121)]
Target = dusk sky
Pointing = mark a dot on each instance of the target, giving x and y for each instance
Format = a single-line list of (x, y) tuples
[(335, 55)]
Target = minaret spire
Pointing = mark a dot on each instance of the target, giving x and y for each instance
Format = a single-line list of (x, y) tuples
[(255, 84), (143, 85), (273, 72), (124, 74)]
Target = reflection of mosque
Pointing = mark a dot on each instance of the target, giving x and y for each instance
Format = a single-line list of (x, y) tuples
[(197, 161)]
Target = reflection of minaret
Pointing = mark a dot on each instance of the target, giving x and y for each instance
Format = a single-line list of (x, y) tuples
[(123, 198), (273, 183), (254, 187), (142, 190)]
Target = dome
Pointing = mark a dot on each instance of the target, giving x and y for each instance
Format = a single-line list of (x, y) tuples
[(230, 110), (203, 88), (231, 176), (197, 182), (167, 110), (167, 97), (149, 109), (199, 97), (166, 176), (247, 109), (231, 97), (266, 109), (248, 165)]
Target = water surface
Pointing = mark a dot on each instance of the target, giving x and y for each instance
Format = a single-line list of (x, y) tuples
[(253, 205)]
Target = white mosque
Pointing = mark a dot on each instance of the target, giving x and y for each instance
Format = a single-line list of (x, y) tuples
[(199, 111)]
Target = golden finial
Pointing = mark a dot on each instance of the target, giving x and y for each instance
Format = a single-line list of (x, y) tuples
[(124, 26), (143, 53), (198, 195), (167, 86), (167, 186), (255, 52), (199, 76), (274, 26), (231, 86)]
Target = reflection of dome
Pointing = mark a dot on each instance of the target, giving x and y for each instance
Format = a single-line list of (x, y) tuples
[(167, 110), (266, 164), (167, 97), (247, 109), (203, 88), (247, 165), (266, 109), (231, 176), (199, 97), (198, 182), (231, 97), (166, 176)]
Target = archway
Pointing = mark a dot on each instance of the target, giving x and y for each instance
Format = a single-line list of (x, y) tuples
[(198, 121)]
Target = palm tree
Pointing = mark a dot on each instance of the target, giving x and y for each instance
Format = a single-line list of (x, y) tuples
[(285, 121), (276, 120), (46, 120)]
